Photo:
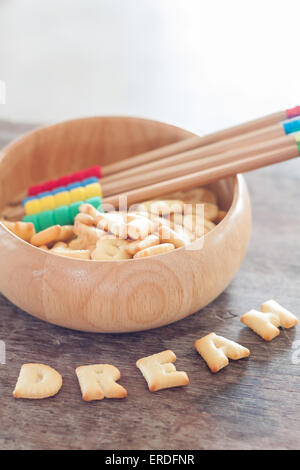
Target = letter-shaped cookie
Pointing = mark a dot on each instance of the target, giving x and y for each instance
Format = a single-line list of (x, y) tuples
[(216, 350), (138, 245), (91, 211), (159, 372), (37, 381), (55, 233), (267, 322), (24, 230), (98, 381), (109, 248), (167, 235), (155, 250)]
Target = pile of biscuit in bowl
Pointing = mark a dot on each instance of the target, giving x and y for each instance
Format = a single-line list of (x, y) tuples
[(149, 228)]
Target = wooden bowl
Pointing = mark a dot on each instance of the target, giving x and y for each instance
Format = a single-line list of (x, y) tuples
[(112, 296)]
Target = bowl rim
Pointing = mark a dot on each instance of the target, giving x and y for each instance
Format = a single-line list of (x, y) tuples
[(237, 181)]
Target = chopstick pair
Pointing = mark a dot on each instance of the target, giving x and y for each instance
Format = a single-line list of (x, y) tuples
[(264, 128), (201, 160), (197, 163), (207, 170)]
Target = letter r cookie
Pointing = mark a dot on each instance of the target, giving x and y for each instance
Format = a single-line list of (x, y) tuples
[(98, 381)]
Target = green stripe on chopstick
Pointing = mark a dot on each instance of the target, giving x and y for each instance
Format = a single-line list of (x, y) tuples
[(297, 138)]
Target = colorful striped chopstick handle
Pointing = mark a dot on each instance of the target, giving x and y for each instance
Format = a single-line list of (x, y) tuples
[(94, 171), (64, 197), (297, 138), (63, 215), (292, 112), (291, 126), (57, 202)]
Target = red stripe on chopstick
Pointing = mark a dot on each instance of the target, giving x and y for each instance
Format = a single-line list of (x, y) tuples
[(65, 180), (293, 112)]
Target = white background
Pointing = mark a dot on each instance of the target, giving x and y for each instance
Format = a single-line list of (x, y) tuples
[(202, 64)]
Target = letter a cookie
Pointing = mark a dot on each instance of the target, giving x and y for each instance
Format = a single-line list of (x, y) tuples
[(216, 350)]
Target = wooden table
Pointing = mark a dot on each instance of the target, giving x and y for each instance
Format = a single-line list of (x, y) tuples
[(251, 404)]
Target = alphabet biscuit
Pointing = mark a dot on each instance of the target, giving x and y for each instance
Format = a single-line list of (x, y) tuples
[(56, 233), (85, 219), (115, 223), (24, 230), (168, 235), (195, 224), (287, 319), (88, 233), (164, 207), (155, 250), (160, 372), (98, 381), (59, 245), (37, 381), (267, 322), (216, 350), (138, 245), (139, 228), (78, 244), (111, 248), (91, 211)]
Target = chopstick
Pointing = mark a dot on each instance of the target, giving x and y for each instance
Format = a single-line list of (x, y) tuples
[(240, 141), (195, 142), (218, 171), (183, 167)]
